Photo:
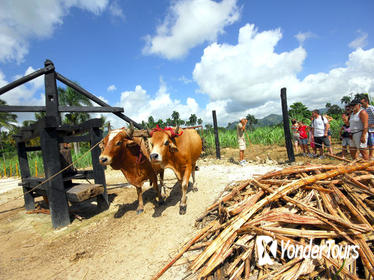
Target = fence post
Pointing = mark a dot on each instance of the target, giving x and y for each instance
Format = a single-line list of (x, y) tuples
[(286, 126), (17, 173), (36, 168), (4, 169), (218, 152), (10, 170)]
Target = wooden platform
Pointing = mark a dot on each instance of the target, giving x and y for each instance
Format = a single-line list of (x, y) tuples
[(83, 192)]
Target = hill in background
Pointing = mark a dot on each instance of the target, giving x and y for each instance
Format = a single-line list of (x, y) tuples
[(272, 119)]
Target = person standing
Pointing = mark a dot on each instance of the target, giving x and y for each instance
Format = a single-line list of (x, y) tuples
[(303, 138), (311, 137), (358, 123), (295, 135), (320, 128), (329, 134), (345, 134), (241, 140), (370, 110)]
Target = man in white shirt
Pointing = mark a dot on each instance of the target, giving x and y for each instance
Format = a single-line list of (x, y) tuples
[(320, 128)]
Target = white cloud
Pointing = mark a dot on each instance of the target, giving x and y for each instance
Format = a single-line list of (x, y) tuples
[(360, 42), (190, 23), (103, 99), (302, 36), (115, 10), (185, 80), (247, 77), (111, 88), (21, 21), (139, 105), (29, 94)]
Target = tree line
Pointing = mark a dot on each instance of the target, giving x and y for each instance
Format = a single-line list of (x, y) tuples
[(174, 120), (299, 111)]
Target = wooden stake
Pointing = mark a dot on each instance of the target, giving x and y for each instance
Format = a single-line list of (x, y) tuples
[(17, 169)]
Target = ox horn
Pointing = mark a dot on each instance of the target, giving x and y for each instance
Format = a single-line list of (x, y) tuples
[(177, 129), (149, 131), (130, 131)]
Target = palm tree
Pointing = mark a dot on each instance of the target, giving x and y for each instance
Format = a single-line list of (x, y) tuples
[(7, 121), (175, 118), (345, 100), (70, 97), (299, 111), (39, 115), (192, 119), (251, 121)]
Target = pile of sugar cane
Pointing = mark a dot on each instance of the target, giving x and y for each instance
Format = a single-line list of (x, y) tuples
[(327, 207)]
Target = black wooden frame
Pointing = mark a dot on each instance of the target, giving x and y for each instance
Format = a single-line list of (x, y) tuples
[(52, 133)]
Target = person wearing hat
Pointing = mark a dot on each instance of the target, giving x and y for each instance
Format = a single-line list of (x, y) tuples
[(241, 140), (358, 123)]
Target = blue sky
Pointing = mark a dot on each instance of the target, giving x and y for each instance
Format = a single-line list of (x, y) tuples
[(193, 56)]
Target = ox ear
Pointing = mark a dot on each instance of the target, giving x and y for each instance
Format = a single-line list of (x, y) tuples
[(149, 131)]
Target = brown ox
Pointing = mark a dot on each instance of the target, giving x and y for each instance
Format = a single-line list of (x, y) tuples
[(129, 154), (178, 153)]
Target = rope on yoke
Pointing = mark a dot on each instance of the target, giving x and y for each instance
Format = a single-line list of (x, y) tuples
[(173, 134)]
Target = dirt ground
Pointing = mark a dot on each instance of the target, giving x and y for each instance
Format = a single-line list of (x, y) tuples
[(117, 243)]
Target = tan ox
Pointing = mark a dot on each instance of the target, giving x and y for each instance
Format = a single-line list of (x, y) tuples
[(179, 153), (124, 152)]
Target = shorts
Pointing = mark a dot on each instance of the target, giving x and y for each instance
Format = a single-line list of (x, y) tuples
[(303, 141), (356, 141), (295, 137), (242, 145), (319, 140), (345, 141), (371, 139)]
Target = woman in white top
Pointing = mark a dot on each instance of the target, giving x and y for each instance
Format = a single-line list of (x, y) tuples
[(358, 124)]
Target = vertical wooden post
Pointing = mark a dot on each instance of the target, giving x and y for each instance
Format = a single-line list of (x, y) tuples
[(17, 173), (218, 152), (36, 168), (58, 203), (10, 170), (286, 126), (25, 173), (99, 173), (51, 94)]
